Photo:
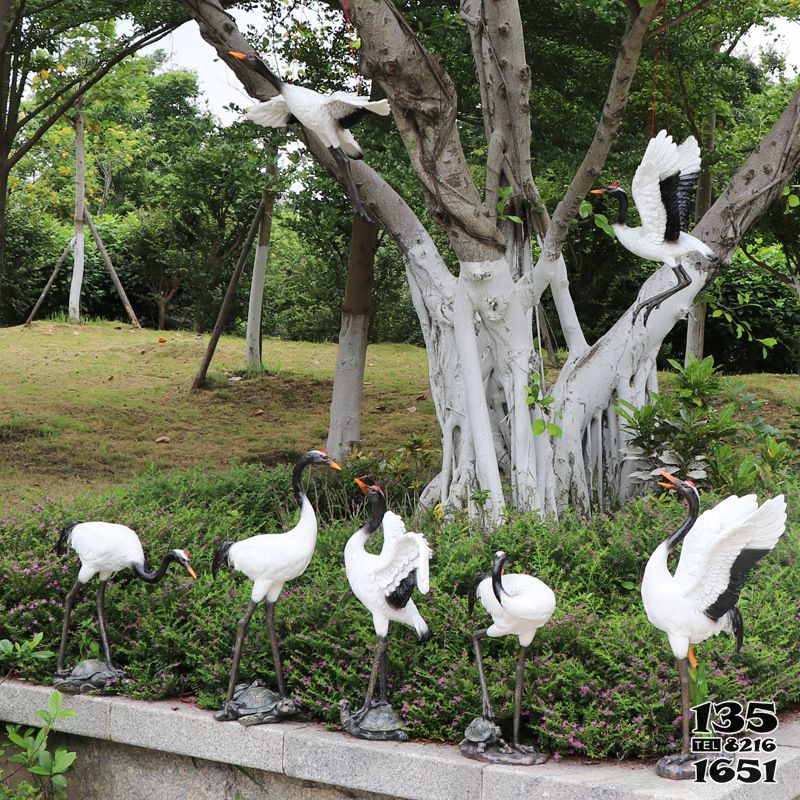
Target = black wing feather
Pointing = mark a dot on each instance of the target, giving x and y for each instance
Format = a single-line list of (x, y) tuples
[(221, 556), (402, 594), (353, 118), (63, 538), (473, 590), (686, 186), (669, 197), (740, 569)]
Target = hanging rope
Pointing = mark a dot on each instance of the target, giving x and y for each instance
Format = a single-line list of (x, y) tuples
[(661, 36)]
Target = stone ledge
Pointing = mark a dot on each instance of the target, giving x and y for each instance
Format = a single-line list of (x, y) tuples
[(411, 770)]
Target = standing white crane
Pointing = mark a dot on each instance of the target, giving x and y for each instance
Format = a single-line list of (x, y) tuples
[(269, 560), (328, 116), (384, 582), (720, 547), (662, 190), (105, 548), (519, 605)]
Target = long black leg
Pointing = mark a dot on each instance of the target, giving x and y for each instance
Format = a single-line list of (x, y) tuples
[(380, 649), (654, 302), (476, 644), (344, 163), (523, 651), (101, 620), (683, 671), (68, 603), (237, 650), (384, 673), (276, 654)]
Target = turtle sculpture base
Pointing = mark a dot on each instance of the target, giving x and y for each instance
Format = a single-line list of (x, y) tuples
[(91, 675), (482, 741), (378, 723), (678, 767), (254, 704)]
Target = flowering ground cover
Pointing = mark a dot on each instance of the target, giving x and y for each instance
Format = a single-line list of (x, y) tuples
[(600, 680)]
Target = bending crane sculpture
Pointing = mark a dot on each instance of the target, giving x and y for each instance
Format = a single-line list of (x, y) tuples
[(328, 116), (269, 560), (662, 190), (519, 605), (384, 584), (720, 547), (104, 548)]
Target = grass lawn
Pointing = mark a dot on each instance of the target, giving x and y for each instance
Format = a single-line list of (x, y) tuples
[(82, 406)]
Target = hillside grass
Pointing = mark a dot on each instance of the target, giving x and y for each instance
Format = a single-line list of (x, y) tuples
[(81, 406)]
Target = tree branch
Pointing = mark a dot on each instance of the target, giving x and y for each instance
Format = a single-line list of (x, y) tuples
[(681, 18)]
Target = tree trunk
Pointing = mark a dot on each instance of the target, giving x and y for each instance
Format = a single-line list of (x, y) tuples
[(256, 304), (696, 324), (161, 302), (344, 431), (3, 211), (78, 248)]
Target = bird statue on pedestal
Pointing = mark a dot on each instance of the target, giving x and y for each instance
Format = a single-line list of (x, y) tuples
[(519, 605), (720, 547), (269, 560), (662, 190), (328, 116), (384, 583), (104, 548)]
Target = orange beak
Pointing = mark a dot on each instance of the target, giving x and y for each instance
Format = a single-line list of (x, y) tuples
[(361, 485), (237, 54), (334, 465), (191, 572), (673, 481), (692, 658), (594, 191)]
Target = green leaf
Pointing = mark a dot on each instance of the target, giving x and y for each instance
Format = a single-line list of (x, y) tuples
[(584, 209), (554, 430), (539, 427), (64, 760), (514, 218), (46, 760), (54, 702), (59, 781), (793, 201)]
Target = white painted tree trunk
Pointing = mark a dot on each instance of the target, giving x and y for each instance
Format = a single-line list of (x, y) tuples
[(256, 304), (78, 249)]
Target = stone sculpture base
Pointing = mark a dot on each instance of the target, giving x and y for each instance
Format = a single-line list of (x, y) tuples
[(378, 723), (677, 767), (482, 741), (91, 675), (254, 704)]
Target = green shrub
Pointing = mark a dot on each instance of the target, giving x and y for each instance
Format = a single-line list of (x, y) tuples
[(601, 680)]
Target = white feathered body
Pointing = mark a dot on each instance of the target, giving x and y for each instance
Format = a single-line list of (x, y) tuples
[(104, 548), (374, 577), (527, 604), (676, 604), (317, 112), (662, 159), (271, 559)]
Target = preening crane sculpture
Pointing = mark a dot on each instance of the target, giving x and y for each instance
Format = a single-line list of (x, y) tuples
[(519, 605), (720, 547), (662, 190), (269, 560), (328, 116)]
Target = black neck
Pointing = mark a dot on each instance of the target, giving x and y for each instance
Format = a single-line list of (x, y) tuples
[(497, 577), (622, 210), (262, 69), (297, 483), (378, 503), (693, 504), (155, 577)]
